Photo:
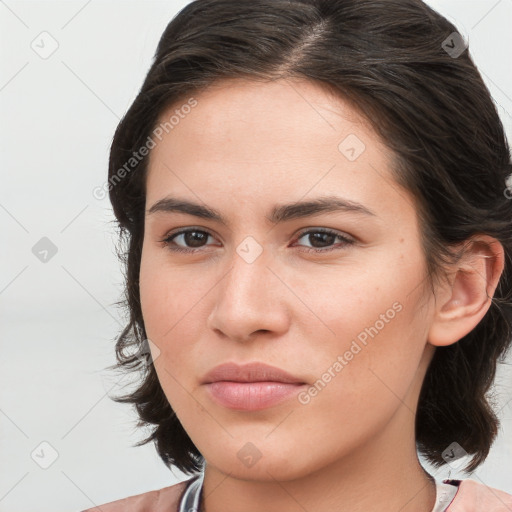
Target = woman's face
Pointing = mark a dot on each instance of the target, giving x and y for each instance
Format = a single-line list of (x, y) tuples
[(349, 321)]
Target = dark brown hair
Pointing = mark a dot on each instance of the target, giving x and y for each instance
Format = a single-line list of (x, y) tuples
[(392, 60)]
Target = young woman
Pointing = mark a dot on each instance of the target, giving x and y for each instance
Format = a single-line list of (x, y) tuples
[(313, 194)]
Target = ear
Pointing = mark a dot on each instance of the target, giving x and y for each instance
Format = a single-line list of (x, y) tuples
[(465, 297)]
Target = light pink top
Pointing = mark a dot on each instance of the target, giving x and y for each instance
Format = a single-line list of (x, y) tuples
[(452, 496)]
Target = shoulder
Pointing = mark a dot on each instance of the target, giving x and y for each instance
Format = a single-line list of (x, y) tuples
[(474, 496), (162, 500)]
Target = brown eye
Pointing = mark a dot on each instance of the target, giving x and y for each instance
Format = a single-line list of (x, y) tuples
[(321, 238), (191, 238)]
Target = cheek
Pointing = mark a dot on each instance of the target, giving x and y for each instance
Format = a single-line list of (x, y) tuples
[(168, 298), (365, 376), (171, 311), (377, 340), (371, 298)]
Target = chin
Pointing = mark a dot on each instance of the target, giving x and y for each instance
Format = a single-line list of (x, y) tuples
[(264, 464)]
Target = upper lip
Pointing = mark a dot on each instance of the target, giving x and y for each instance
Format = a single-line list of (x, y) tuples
[(252, 372)]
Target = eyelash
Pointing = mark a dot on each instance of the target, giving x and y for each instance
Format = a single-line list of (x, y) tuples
[(169, 243)]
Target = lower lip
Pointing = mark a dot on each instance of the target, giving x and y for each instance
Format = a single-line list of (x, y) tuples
[(251, 396)]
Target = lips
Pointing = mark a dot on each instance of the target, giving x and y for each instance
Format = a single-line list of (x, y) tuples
[(252, 372), (251, 387)]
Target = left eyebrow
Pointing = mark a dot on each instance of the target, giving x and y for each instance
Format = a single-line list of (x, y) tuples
[(280, 213)]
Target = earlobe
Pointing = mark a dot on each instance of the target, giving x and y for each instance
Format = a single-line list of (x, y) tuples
[(464, 299)]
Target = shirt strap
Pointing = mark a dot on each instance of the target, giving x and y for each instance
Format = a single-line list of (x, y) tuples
[(192, 495), (445, 493)]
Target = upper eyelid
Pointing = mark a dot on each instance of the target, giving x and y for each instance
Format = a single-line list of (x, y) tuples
[(180, 231)]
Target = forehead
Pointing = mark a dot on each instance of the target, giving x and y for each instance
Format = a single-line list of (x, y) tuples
[(257, 141), (288, 111)]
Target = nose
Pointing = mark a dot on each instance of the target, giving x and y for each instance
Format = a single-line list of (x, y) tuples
[(249, 300)]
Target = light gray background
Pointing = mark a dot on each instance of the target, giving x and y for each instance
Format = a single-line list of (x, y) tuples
[(58, 319)]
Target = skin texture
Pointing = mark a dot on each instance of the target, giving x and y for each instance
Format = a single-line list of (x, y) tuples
[(243, 149)]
